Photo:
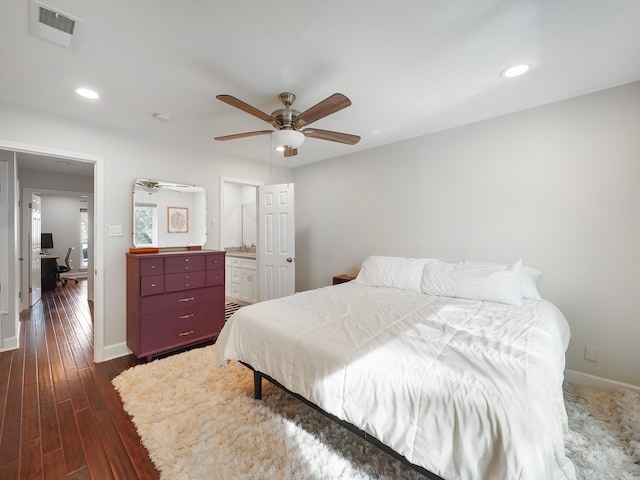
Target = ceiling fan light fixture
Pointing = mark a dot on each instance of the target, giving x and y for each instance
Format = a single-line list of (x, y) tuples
[(286, 138)]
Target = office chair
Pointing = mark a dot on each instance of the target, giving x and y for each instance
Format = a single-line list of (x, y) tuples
[(65, 268)]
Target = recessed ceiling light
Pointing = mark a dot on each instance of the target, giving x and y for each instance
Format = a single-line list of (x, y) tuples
[(515, 71), (87, 93), (162, 117)]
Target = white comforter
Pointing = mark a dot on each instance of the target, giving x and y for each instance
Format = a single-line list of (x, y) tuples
[(466, 389)]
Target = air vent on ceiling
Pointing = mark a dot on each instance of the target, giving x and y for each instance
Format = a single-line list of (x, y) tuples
[(54, 25)]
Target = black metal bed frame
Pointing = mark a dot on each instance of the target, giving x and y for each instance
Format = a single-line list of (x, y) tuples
[(257, 393)]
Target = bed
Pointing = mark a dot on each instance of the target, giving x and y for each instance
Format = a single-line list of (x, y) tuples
[(461, 388)]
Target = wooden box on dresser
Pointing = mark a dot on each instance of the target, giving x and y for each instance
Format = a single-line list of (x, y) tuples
[(174, 299)]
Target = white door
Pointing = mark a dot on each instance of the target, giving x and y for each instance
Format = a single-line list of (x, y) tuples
[(34, 271), (276, 241)]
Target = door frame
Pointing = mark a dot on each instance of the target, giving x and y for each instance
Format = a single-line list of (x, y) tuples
[(26, 196), (33, 275), (98, 230), (237, 181)]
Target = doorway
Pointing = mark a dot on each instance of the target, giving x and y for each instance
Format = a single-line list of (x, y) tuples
[(238, 237), (61, 219), (42, 159)]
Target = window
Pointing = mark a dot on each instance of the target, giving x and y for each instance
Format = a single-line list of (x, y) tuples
[(146, 224), (84, 237)]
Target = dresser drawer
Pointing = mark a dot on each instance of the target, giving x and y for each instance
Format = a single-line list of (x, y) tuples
[(173, 301), (184, 281), (215, 277), (151, 266), (152, 285), (215, 262), (184, 263), (171, 329)]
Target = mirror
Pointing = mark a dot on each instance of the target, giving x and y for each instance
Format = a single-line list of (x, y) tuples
[(249, 224), (167, 214), (238, 229)]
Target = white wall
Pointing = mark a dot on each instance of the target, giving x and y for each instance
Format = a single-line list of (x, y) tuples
[(556, 186), (128, 156)]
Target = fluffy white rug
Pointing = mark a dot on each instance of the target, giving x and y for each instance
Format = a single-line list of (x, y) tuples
[(604, 437), (200, 422)]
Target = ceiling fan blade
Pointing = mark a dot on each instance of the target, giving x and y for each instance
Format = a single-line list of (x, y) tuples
[(290, 152), (245, 107), (243, 135), (329, 105), (333, 136)]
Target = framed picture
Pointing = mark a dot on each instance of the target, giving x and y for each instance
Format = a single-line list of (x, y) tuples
[(178, 219)]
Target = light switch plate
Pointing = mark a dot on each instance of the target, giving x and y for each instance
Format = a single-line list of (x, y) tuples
[(115, 230)]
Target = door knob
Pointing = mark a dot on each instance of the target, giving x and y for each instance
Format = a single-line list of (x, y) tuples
[(289, 259)]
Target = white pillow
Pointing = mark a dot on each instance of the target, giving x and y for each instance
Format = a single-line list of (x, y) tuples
[(528, 275), (494, 283), (395, 272)]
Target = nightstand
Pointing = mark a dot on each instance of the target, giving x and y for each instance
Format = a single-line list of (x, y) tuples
[(342, 279)]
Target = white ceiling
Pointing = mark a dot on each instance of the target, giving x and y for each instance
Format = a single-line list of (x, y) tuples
[(410, 67)]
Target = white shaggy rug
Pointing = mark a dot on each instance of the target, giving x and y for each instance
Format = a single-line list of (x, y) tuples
[(604, 433), (200, 422)]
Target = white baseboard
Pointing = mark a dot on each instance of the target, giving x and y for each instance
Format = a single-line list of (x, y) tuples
[(115, 351), (10, 343), (597, 382)]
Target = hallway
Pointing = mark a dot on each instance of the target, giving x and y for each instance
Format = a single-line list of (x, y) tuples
[(61, 418)]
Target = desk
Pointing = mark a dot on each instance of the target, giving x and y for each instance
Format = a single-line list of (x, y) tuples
[(48, 271)]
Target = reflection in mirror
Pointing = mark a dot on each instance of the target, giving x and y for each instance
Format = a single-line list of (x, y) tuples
[(249, 224), (167, 214), (238, 228)]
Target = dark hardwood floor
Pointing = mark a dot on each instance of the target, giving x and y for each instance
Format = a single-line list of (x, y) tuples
[(61, 417)]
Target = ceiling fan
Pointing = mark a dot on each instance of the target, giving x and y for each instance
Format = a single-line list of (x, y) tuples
[(289, 123), (150, 186)]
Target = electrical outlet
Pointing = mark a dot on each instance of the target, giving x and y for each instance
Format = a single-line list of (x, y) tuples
[(591, 353)]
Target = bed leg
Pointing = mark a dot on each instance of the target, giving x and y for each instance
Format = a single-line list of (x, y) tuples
[(257, 385)]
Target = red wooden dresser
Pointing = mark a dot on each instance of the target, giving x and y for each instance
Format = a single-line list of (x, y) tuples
[(174, 299)]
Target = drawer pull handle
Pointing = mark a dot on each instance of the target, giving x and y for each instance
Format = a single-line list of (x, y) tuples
[(152, 267), (184, 317), (186, 268), (187, 285), (186, 299), (153, 284), (186, 259), (184, 334)]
